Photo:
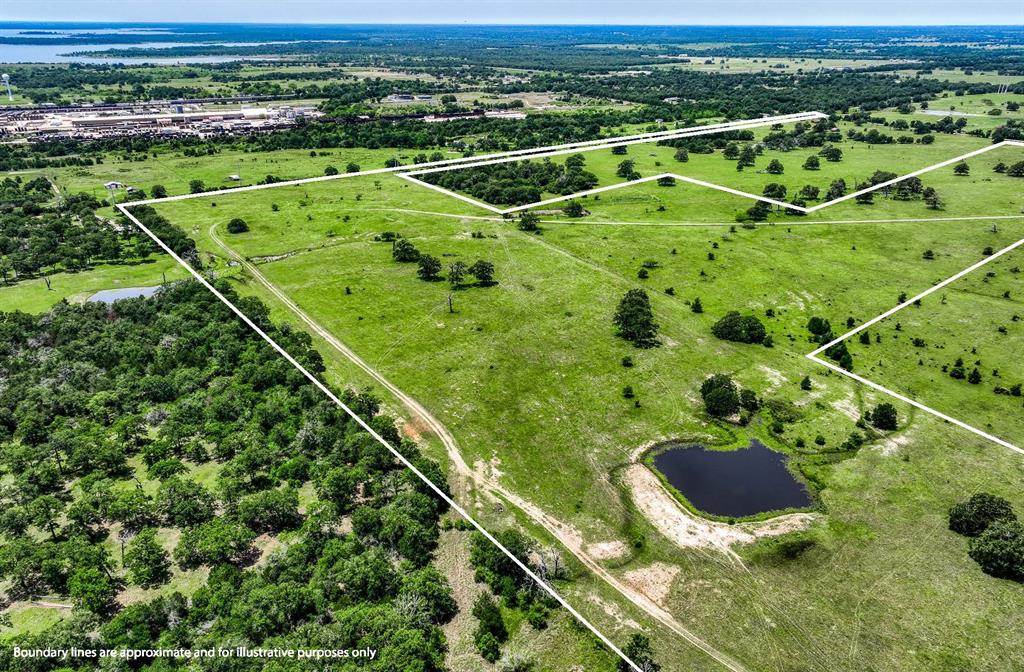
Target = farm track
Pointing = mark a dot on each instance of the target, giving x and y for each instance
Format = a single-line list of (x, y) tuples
[(559, 530)]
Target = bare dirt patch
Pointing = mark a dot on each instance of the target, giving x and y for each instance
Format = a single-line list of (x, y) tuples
[(607, 550), (654, 581)]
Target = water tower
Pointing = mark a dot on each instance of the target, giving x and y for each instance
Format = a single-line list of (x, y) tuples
[(7, 82)]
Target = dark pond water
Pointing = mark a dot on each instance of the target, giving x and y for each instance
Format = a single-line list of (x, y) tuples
[(736, 483)]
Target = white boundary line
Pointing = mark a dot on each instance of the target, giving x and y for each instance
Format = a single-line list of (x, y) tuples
[(813, 356), (362, 423), (515, 154), (580, 194)]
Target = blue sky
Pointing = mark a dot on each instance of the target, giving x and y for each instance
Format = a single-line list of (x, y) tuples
[(660, 12)]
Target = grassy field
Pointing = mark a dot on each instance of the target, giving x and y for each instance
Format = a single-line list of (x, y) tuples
[(33, 296), (859, 161), (739, 66)]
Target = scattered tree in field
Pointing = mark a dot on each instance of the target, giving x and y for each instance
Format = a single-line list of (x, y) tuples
[(721, 399), (832, 154), (330, 170), (619, 150), (1000, 167), (774, 191), (739, 328), (627, 170), (682, 155), (697, 306), (805, 384), (884, 416), (574, 208), (836, 189), (638, 649), (393, 162), (749, 400), (404, 251), (812, 163), (864, 197), (456, 273), (528, 221), (747, 158), (196, 187), (635, 320), (666, 181), (775, 167), (961, 169), (352, 168), (429, 267), (809, 192), (159, 191), (483, 271), (146, 561), (999, 550), (92, 590), (928, 255), (973, 516), (1016, 170), (237, 225), (974, 377)]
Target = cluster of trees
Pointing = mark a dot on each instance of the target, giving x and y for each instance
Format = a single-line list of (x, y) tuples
[(741, 329), (429, 267), (821, 332), (996, 537), (517, 182), (175, 381), (41, 234)]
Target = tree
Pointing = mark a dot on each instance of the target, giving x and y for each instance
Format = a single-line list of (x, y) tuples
[(666, 181), (237, 225), (635, 319), (429, 267), (456, 273), (740, 328), (638, 649), (619, 150), (92, 590), (973, 516), (974, 377), (697, 306), (483, 271), (270, 510), (682, 155), (529, 222), (196, 187), (491, 630), (805, 384), (812, 163), (962, 169), (159, 191), (183, 502), (352, 168), (432, 587), (775, 167), (330, 170), (999, 550), (574, 208), (884, 416), (1016, 170), (832, 154), (146, 561), (218, 541), (720, 396), (836, 189), (403, 251), (627, 170)]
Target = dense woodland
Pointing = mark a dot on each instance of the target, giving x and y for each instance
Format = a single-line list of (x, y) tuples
[(517, 182), (97, 397)]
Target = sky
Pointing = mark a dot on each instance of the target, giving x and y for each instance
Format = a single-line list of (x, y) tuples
[(615, 12)]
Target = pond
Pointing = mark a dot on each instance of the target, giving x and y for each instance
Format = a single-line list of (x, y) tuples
[(111, 295), (733, 483)]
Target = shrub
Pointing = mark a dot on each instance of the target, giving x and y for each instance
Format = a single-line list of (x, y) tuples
[(884, 416), (973, 516), (404, 251), (237, 225)]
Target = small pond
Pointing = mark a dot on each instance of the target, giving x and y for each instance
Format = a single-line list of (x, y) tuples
[(733, 483), (111, 295)]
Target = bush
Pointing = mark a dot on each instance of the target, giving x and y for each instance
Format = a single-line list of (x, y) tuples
[(973, 516), (739, 328), (999, 550), (237, 225)]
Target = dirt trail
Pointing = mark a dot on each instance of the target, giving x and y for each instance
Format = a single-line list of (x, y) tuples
[(566, 534)]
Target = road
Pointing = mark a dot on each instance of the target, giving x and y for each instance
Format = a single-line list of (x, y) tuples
[(564, 533)]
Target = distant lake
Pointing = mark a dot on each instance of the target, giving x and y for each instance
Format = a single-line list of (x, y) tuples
[(111, 295), (733, 483)]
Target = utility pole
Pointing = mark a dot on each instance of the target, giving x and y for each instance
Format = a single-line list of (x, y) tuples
[(451, 308)]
